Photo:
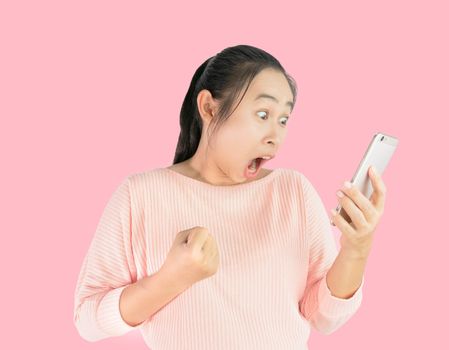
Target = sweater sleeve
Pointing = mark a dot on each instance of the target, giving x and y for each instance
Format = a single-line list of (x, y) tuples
[(107, 269), (325, 312)]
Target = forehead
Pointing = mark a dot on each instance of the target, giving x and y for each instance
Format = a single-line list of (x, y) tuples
[(270, 82)]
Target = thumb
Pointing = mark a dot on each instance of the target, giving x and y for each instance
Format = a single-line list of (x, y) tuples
[(182, 236)]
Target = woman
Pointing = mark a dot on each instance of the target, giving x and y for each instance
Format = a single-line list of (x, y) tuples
[(215, 251)]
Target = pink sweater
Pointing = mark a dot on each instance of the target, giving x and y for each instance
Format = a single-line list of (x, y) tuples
[(276, 245)]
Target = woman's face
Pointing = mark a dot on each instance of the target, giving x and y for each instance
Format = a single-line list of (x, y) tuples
[(256, 128)]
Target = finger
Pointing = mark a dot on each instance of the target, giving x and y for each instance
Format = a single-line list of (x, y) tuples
[(368, 211), (207, 244), (198, 236), (182, 236), (207, 253), (341, 223), (354, 212), (379, 190)]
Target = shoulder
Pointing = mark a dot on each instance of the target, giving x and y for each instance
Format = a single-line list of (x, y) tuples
[(291, 175), (300, 181), (292, 181), (137, 185), (300, 177), (140, 180)]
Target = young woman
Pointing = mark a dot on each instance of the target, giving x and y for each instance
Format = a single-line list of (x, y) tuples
[(215, 251)]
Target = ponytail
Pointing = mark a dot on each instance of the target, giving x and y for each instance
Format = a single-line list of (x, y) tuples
[(190, 120)]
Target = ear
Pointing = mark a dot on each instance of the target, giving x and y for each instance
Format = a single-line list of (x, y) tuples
[(207, 105)]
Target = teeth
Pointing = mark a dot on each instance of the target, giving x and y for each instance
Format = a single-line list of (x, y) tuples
[(253, 165), (266, 157)]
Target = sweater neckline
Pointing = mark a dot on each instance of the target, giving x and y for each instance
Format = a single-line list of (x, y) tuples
[(199, 183)]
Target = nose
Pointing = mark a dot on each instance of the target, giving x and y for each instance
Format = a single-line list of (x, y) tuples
[(274, 137), (272, 143)]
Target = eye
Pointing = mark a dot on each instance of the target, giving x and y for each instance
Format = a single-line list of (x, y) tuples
[(262, 113), (286, 119)]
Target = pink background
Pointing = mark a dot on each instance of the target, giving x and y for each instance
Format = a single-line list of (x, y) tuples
[(90, 92)]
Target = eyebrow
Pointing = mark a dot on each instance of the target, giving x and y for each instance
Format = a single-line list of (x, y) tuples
[(289, 103)]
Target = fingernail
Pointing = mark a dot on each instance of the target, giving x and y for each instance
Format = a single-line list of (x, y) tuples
[(340, 194), (347, 184), (373, 169)]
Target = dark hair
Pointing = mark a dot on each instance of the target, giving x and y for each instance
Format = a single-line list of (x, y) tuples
[(224, 75)]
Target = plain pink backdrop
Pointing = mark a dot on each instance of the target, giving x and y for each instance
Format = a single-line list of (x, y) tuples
[(90, 92)]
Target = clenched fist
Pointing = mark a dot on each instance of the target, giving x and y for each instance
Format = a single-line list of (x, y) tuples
[(192, 257)]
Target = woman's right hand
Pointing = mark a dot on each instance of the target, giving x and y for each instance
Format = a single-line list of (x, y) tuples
[(192, 257)]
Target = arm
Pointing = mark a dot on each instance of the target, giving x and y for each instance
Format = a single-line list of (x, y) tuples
[(109, 301), (107, 269), (326, 312), (345, 275), (141, 300)]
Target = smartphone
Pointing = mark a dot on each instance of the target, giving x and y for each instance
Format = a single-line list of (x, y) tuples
[(378, 154)]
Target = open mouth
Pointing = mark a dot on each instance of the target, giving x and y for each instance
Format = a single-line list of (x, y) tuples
[(254, 166)]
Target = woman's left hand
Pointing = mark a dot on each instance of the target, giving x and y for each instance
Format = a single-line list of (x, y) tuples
[(357, 236)]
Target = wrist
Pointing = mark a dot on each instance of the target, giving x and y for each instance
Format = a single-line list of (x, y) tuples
[(354, 254), (171, 281)]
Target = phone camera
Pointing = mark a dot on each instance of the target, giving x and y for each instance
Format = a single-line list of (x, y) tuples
[(382, 138)]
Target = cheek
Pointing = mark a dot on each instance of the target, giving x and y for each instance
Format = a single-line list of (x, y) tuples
[(235, 142), (284, 135), (236, 134), (232, 150)]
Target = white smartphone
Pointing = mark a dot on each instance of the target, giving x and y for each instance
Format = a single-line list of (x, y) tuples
[(378, 154)]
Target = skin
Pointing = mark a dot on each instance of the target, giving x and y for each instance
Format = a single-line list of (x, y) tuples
[(255, 128), (345, 275), (365, 214)]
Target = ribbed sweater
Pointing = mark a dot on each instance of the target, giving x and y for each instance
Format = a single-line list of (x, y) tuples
[(275, 243)]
